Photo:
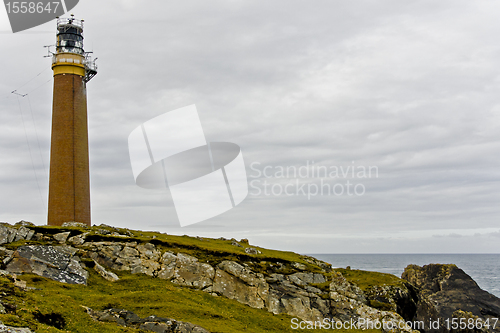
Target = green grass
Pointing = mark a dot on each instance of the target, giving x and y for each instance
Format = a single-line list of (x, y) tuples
[(367, 279)]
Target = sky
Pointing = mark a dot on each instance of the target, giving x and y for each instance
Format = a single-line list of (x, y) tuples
[(405, 94)]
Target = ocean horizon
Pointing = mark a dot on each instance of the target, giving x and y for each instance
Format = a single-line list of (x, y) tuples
[(484, 268)]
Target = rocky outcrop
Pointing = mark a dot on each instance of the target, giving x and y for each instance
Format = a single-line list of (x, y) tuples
[(446, 292), (152, 323), (56, 263)]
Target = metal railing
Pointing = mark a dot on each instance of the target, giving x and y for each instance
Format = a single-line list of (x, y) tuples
[(90, 64), (70, 21)]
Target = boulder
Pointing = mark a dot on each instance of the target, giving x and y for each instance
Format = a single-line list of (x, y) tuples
[(24, 223), (152, 323), (234, 242), (252, 250), (110, 276), (56, 263), (75, 224), (78, 239), (62, 236)]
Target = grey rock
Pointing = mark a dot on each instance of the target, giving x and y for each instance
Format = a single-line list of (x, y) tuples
[(125, 264), (52, 262), (157, 327), (169, 262), (23, 223), (313, 290), (301, 307), (189, 272), (319, 278), (237, 282), (109, 249), (107, 226), (297, 280), (235, 243), (299, 266), (62, 236), (252, 250), (148, 251), (302, 278), (103, 232), (75, 224), (128, 252), (243, 273), (275, 278), (110, 276), (7, 234), (148, 267), (24, 233), (152, 323), (78, 239)]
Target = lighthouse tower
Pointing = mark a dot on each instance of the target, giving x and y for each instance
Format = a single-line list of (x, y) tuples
[(69, 186)]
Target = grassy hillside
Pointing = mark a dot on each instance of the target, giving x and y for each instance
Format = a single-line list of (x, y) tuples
[(59, 306)]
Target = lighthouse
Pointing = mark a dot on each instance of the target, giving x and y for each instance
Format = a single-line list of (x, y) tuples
[(69, 184)]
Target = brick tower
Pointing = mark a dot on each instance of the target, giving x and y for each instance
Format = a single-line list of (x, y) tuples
[(69, 186)]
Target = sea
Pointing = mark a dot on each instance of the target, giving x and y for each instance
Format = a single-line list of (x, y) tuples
[(483, 268)]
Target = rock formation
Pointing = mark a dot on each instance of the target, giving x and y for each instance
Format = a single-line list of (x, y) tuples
[(446, 292), (54, 262)]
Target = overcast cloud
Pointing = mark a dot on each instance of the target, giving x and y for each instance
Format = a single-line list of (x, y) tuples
[(410, 88)]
